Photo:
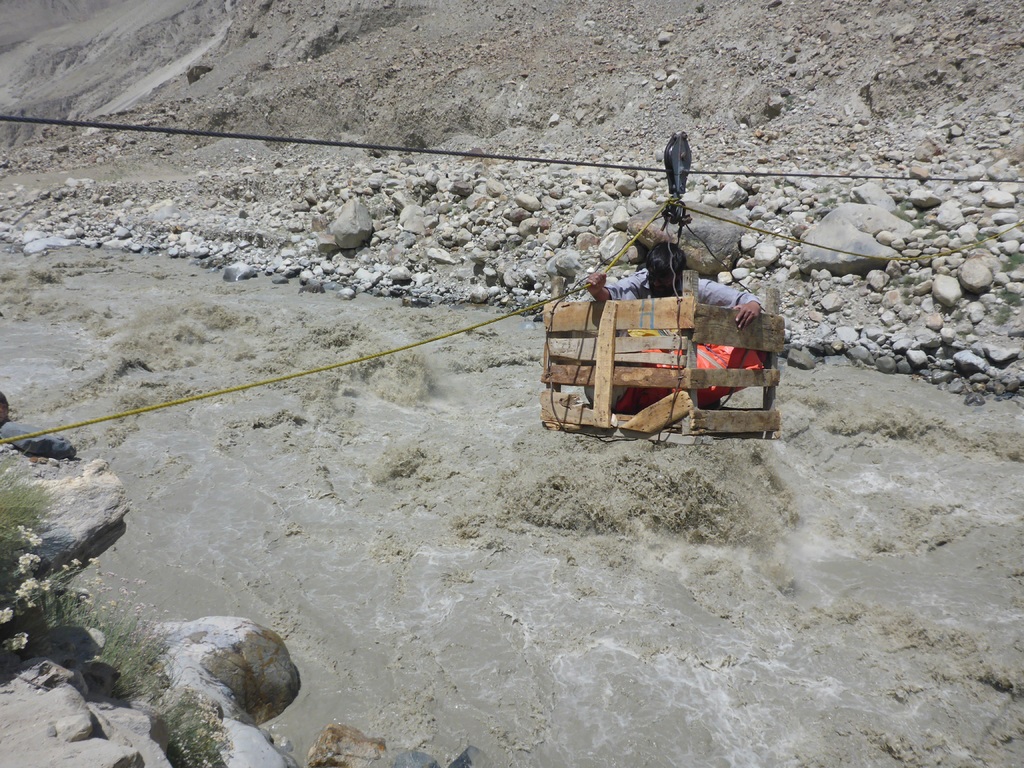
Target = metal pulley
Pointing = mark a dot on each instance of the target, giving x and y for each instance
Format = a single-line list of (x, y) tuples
[(677, 167)]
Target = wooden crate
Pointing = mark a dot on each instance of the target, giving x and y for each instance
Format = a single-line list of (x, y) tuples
[(587, 346)]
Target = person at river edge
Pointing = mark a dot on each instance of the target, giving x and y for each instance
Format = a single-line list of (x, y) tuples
[(662, 277), (49, 446)]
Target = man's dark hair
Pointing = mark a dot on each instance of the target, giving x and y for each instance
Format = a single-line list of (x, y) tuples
[(665, 266)]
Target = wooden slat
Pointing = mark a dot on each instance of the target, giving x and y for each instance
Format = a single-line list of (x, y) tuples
[(626, 347), (661, 414), (772, 302), (729, 420), (717, 325), (574, 349), (641, 343), (573, 316), (623, 376), (650, 358), (650, 314), (604, 366), (564, 409), (691, 286), (625, 359), (702, 378), (690, 283), (671, 378)]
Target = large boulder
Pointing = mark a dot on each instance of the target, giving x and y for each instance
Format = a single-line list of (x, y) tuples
[(242, 666), (244, 669), (354, 226), (844, 242), (711, 242), (870, 193), (86, 514)]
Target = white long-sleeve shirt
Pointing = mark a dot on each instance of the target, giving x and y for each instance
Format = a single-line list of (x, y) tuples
[(636, 286)]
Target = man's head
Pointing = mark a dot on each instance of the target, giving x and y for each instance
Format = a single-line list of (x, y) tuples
[(665, 266), (3, 409)]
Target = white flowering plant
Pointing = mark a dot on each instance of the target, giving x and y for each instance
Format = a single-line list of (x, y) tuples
[(22, 504)]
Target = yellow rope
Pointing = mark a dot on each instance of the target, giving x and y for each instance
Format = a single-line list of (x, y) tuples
[(333, 366)]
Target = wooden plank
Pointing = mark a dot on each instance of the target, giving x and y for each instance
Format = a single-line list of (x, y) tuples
[(772, 302), (717, 325), (564, 409), (702, 378), (736, 420), (650, 358), (768, 397), (604, 367), (623, 376), (626, 347), (650, 314), (573, 315), (691, 287), (690, 283), (661, 414), (671, 378), (574, 349), (625, 359), (665, 436)]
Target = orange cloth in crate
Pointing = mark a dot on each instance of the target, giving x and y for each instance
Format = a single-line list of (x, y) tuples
[(709, 356)]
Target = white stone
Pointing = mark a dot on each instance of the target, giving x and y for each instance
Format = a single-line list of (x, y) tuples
[(949, 215), (832, 302), (975, 275), (732, 195), (946, 290), (765, 254), (997, 198), (924, 199)]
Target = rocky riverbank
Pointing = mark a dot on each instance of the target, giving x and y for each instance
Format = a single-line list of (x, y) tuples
[(913, 277), (57, 698)]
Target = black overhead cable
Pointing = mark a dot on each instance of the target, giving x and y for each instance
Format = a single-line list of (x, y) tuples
[(477, 155)]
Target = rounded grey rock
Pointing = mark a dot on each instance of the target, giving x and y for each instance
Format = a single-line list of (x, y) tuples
[(886, 364), (798, 357)]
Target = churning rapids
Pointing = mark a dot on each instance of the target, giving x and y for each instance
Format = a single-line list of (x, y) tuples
[(447, 572)]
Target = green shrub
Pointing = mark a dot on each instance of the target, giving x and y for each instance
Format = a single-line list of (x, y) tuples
[(135, 649), (1006, 310), (131, 645)]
